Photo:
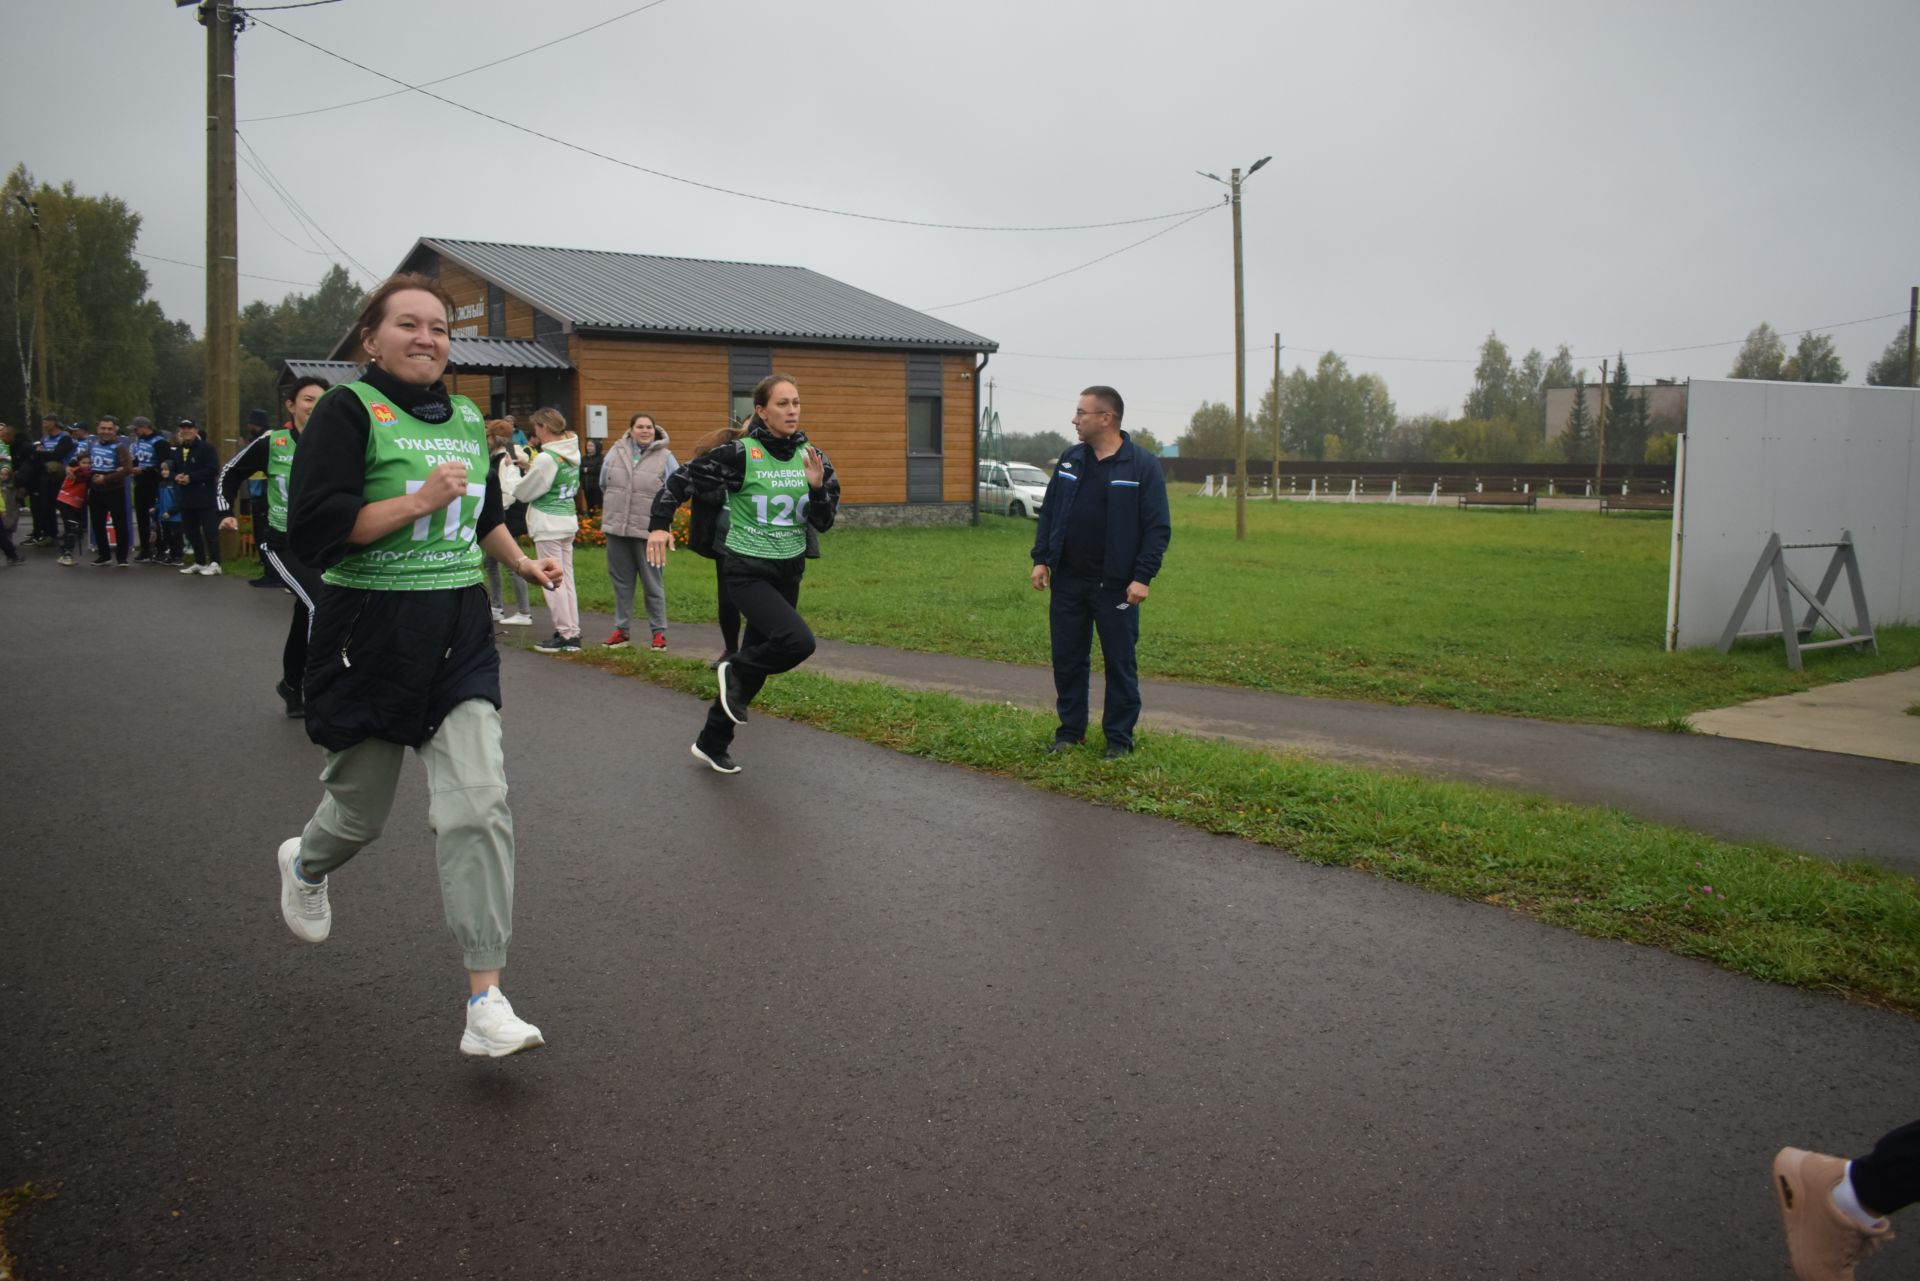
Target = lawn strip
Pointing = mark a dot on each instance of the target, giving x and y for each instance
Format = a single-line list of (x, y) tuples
[(1852, 929)]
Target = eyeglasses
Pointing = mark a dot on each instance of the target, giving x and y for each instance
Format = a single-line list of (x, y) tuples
[(1088, 413)]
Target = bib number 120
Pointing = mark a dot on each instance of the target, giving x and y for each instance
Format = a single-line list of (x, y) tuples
[(781, 511)]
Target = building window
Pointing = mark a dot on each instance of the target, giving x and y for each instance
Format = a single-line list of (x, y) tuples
[(496, 312), (923, 424), (746, 366)]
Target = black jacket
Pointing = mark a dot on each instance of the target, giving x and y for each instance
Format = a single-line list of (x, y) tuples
[(721, 470), (1139, 522), (200, 464), (381, 664)]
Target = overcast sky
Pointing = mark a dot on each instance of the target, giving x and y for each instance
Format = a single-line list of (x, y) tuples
[(1615, 176)]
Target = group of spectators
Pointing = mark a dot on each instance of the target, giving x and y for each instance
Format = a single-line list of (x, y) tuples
[(103, 490)]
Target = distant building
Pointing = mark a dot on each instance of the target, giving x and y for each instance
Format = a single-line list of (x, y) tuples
[(1666, 407), (891, 394)]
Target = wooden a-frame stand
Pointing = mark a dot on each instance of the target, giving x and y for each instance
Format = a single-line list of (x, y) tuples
[(1773, 563)]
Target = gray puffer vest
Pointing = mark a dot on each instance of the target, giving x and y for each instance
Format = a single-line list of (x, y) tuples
[(629, 485)]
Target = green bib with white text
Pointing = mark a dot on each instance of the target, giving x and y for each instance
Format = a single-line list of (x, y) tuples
[(437, 550), (767, 516)]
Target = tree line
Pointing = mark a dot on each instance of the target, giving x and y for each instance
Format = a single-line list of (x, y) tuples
[(107, 347)]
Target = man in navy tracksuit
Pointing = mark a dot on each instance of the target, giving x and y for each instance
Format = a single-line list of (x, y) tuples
[(1104, 526)]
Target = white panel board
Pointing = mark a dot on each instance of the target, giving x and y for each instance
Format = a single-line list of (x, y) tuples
[(1808, 462)]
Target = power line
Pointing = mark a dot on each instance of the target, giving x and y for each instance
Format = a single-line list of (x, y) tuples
[(270, 225), (340, 106), (294, 206), (269, 8), (304, 284), (1082, 267), (1735, 342), (725, 191)]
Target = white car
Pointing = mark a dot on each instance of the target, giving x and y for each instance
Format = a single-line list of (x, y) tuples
[(1012, 489)]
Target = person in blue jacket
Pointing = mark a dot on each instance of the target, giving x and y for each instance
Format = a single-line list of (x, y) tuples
[(1104, 527), (196, 494)]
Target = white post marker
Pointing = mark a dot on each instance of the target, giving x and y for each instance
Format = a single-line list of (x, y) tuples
[(1434, 497), (1353, 491), (1313, 489), (1393, 494)]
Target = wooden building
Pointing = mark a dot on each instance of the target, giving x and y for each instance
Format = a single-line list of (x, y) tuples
[(891, 394)]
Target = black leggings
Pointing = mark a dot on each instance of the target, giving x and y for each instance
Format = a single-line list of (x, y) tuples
[(1888, 1179), (777, 640), (729, 612), (305, 586)]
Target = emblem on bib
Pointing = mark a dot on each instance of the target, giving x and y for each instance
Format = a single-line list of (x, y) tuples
[(381, 413), (753, 453)]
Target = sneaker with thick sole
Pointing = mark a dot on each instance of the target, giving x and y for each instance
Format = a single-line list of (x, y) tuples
[(304, 906), (517, 620), (718, 762), (552, 644), (659, 640), (620, 639), (1822, 1241), (569, 644), (730, 701), (211, 569), (190, 569), (65, 559), (495, 1031)]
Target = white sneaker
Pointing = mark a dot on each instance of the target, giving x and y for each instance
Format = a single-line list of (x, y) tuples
[(498, 614), (304, 906), (495, 1031), (191, 569), (212, 567), (517, 620)]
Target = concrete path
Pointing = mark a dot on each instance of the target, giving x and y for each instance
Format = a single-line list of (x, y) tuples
[(848, 1014), (1867, 717)]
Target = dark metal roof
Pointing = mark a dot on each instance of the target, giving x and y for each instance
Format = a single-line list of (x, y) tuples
[(474, 355), (595, 289), (334, 371), (503, 353)]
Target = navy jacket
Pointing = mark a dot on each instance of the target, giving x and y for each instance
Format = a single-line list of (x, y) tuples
[(1138, 522), (200, 464)]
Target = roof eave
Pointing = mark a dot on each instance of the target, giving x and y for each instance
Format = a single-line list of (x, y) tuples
[(789, 340)]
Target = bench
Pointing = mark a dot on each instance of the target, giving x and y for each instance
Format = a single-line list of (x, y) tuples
[(1636, 503), (1501, 498)]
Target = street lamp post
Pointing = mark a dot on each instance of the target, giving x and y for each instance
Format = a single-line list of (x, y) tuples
[(38, 400), (1239, 356)]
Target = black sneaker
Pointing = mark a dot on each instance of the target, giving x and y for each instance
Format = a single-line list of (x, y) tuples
[(103, 560), (142, 557), (719, 762), (1060, 745), (730, 701), (569, 644), (296, 709), (552, 644), (1116, 750)]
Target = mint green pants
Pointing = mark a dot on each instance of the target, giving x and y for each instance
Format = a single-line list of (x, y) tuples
[(466, 808)]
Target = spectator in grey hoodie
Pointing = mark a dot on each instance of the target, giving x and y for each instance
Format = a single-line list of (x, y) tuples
[(631, 473)]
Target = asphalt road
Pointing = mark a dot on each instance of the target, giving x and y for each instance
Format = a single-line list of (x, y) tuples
[(847, 1014)]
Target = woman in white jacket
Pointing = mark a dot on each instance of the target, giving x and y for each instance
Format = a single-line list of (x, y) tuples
[(548, 490)]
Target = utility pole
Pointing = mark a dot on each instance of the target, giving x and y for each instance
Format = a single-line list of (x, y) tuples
[(1239, 377), (1913, 316), (1239, 355), (223, 24), (38, 401), (1600, 433), (1276, 418)]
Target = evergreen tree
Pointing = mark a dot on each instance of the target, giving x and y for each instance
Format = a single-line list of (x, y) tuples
[(1576, 442), (1626, 419)]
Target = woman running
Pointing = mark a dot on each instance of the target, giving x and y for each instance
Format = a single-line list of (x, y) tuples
[(776, 485), (391, 498)]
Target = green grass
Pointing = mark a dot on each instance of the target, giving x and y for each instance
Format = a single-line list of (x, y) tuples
[(1851, 929), (1556, 615)]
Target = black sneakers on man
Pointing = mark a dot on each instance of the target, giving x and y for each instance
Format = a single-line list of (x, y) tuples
[(718, 761)]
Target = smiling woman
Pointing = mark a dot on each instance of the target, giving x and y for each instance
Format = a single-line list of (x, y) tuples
[(401, 652)]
